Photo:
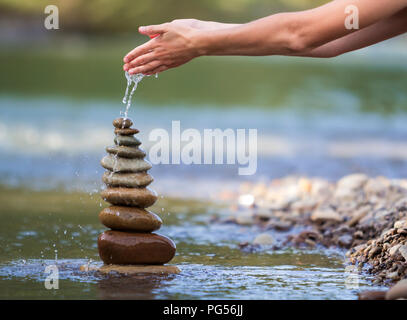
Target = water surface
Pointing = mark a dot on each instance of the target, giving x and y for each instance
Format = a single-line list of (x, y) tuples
[(54, 228)]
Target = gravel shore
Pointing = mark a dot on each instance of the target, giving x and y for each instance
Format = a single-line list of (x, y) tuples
[(367, 216)]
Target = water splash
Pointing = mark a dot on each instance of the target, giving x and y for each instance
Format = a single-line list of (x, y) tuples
[(134, 79)]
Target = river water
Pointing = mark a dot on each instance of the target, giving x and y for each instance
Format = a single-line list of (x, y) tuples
[(53, 228)]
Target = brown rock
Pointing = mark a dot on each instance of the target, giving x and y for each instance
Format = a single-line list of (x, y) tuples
[(353, 181), (118, 164), (263, 239), (122, 123), (129, 218), (323, 215), (126, 152), (345, 240), (129, 180), (307, 237), (358, 215), (140, 269), (279, 225), (400, 224), (372, 295), (117, 247), (131, 269), (126, 131), (393, 250), (132, 197), (403, 251), (399, 291)]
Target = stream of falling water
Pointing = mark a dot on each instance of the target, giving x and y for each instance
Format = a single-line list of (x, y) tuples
[(134, 79)]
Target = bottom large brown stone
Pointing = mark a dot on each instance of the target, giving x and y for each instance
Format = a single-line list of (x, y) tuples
[(117, 247)]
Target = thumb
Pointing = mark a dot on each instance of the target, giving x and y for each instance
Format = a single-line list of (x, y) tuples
[(154, 29)]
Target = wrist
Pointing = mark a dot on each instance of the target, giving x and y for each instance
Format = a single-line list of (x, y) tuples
[(200, 42)]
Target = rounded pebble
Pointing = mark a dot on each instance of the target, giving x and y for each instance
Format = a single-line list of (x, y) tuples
[(118, 247), (118, 164), (132, 197), (126, 131), (130, 218), (398, 291), (122, 123), (127, 180), (126, 152)]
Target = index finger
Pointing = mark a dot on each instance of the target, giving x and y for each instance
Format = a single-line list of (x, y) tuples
[(138, 51)]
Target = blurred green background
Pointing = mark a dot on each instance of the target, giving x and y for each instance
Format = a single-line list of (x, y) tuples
[(124, 16), (321, 102), (341, 108), (94, 35)]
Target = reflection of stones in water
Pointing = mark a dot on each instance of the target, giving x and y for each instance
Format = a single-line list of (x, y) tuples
[(131, 287)]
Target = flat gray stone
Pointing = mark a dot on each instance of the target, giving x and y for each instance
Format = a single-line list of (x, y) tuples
[(126, 152), (129, 180), (126, 141), (118, 164)]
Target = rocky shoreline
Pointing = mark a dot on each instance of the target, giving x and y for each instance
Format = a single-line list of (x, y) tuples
[(367, 216)]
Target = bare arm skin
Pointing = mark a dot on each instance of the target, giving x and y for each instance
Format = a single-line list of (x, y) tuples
[(204, 25), (315, 32), (380, 31)]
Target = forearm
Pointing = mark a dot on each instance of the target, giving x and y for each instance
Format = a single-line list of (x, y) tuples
[(285, 33), (291, 33), (380, 31)]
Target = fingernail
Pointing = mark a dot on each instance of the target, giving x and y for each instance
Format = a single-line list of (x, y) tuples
[(142, 29)]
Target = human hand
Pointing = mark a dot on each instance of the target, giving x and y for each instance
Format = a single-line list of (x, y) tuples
[(176, 44)]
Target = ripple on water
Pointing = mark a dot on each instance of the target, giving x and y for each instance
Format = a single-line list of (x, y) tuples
[(196, 281)]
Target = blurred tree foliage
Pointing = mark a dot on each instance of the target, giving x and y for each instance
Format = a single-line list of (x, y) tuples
[(127, 15)]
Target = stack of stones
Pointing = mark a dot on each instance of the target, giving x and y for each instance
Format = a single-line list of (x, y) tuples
[(130, 240)]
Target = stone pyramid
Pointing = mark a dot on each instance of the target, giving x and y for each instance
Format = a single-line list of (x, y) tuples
[(131, 240)]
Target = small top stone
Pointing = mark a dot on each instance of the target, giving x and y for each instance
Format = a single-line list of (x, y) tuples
[(122, 123)]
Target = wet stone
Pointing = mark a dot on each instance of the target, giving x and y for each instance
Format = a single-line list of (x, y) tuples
[(126, 141), (117, 247), (128, 180), (132, 197), (263, 239), (399, 291), (130, 218), (122, 123), (323, 215), (126, 152), (118, 164), (372, 295), (126, 131), (135, 269)]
